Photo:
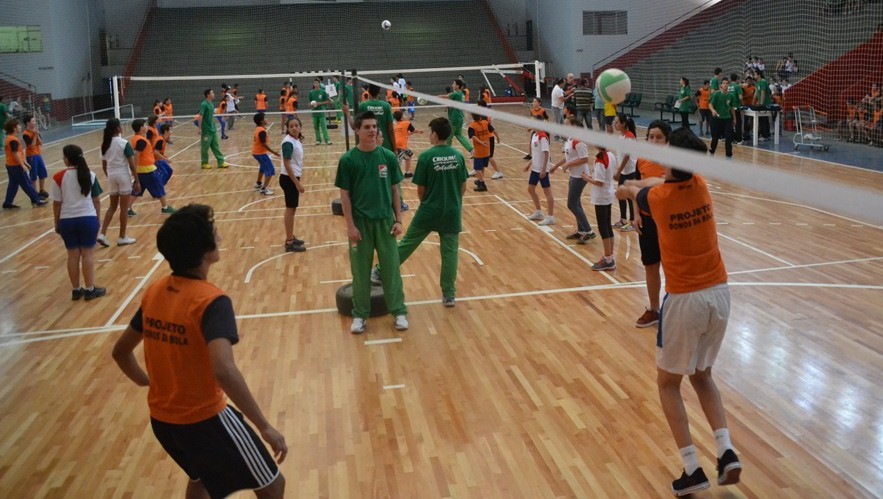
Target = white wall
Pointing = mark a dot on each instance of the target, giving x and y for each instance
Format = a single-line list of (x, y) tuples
[(35, 68), (558, 25)]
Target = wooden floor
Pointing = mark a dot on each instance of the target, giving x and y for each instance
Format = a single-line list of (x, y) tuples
[(536, 385)]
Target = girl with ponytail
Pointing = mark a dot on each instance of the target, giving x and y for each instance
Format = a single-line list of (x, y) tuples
[(118, 163), (76, 207)]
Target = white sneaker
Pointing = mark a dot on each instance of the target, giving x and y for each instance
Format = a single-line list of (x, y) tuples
[(471, 173), (102, 240), (375, 276), (537, 215), (497, 176), (125, 240), (548, 221), (358, 326), (267, 192), (401, 322), (258, 186)]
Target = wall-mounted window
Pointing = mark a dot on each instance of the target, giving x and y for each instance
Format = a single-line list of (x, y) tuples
[(20, 39), (605, 22)]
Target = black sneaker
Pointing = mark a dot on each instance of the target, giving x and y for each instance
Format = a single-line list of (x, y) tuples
[(481, 187), (585, 238), (728, 468), (95, 292), (527, 156), (448, 301), (295, 240), (43, 194), (575, 235), (687, 484), (77, 294), (11, 207), (293, 247)]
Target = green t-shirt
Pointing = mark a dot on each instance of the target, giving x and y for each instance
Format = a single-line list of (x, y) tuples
[(207, 111), (684, 105), (383, 111), (455, 115), (3, 111), (715, 84), (722, 103), (369, 177), (736, 91), (763, 87), (319, 96), (442, 171), (339, 87)]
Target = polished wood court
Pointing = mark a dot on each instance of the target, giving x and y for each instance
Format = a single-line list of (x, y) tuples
[(537, 384)]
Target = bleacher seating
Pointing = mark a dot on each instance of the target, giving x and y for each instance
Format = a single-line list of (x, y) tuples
[(336, 37)]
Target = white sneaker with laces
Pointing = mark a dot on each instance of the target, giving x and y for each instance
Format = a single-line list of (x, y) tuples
[(548, 221), (267, 192), (497, 176), (471, 173), (537, 215), (358, 326), (123, 241), (102, 240), (401, 322)]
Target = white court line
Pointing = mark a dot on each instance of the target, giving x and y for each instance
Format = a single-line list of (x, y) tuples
[(393, 387), (335, 281), (559, 242), (280, 255), (210, 194), (794, 204), (807, 265), (629, 285), (762, 252), (383, 342), (41, 267), (31, 242), (267, 198), (9, 271), (159, 259), (473, 255)]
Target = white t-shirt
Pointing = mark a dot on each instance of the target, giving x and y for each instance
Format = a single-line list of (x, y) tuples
[(558, 97), (632, 164), (297, 156), (574, 149), (117, 156), (539, 143), (603, 171), (65, 189)]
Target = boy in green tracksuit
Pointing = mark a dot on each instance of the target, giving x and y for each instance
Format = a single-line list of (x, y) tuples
[(208, 133), (722, 105), (456, 116), (383, 113), (440, 178), (318, 100), (367, 176)]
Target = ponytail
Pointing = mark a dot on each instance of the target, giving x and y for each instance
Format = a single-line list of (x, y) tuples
[(110, 130), (74, 156), (628, 122)]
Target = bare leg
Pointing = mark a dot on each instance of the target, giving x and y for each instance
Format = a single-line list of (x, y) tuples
[(669, 385), (709, 398), (275, 490), (124, 215), (196, 490), (267, 181), (608, 246), (550, 200), (73, 267), (108, 215), (532, 190), (87, 257)]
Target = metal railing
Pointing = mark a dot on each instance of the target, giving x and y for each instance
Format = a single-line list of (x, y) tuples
[(98, 116)]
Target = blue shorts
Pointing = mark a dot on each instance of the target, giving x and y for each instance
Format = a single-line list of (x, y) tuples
[(152, 183), (480, 163), (164, 170), (38, 167), (265, 164), (535, 179), (79, 232)]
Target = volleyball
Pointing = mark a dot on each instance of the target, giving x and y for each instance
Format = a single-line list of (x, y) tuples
[(422, 101), (312, 103), (613, 85), (386, 25)]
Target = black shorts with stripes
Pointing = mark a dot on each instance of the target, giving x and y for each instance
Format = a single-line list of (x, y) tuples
[(222, 452)]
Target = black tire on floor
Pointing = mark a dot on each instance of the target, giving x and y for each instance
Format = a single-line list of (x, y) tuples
[(336, 207), (344, 299)]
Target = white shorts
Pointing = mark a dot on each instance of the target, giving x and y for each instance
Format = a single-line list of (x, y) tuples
[(691, 329), (119, 184)]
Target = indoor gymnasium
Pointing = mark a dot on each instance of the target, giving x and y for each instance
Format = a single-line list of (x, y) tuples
[(441, 248)]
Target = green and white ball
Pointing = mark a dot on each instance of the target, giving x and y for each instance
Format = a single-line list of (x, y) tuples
[(613, 85)]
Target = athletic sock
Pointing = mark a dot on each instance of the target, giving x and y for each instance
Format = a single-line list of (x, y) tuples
[(722, 437), (691, 461), (89, 289)]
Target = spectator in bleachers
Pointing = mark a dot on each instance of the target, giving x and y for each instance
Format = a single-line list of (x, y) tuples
[(761, 66), (790, 68), (780, 68), (874, 124), (856, 124)]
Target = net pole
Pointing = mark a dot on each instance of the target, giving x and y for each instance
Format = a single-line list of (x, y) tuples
[(540, 68), (353, 107), (116, 96), (346, 119)]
